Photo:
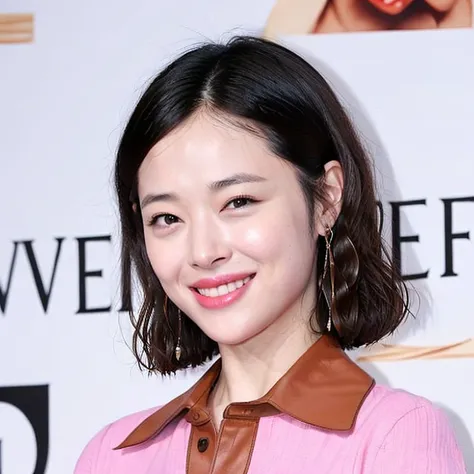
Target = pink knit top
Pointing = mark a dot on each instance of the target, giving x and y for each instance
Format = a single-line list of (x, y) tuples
[(324, 416), (395, 433)]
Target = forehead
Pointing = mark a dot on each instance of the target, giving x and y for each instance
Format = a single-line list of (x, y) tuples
[(207, 148)]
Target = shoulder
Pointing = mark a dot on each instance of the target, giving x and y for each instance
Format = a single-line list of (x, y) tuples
[(387, 407), (410, 433), (390, 403), (108, 438)]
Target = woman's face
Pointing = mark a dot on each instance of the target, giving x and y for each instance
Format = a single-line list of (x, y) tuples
[(226, 230)]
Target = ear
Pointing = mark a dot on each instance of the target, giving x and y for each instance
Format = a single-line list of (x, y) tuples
[(330, 209)]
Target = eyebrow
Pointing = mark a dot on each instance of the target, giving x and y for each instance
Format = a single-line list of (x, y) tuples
[(238, 178)]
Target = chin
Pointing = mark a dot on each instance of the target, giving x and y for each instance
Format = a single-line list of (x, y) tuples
[(234, 336), (230, 339)]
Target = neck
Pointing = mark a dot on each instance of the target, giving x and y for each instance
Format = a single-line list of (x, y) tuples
[(249, 370)]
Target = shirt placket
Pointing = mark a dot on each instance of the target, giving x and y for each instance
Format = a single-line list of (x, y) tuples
[(202, 442), (230, 450)]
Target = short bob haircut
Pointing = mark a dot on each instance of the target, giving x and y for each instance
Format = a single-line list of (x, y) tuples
[(263, 87)]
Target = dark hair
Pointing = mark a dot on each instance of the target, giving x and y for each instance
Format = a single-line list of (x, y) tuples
[(265, 87)]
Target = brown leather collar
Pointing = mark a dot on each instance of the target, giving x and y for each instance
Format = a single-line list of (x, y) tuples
[(324, 388)]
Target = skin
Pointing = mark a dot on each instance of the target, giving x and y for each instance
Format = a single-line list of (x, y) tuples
[(203, 233)]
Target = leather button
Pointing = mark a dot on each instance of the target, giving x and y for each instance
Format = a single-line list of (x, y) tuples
[(196, 416), (203, 444)]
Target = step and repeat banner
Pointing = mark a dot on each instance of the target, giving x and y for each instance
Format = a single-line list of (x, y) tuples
[(69, 75)]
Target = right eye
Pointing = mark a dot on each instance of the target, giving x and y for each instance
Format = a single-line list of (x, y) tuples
[(163, 220)]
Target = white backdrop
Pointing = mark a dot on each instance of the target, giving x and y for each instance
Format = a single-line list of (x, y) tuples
[(65, 368)]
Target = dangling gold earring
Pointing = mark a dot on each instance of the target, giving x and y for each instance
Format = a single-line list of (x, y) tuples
[(177, 351), (328, 258)]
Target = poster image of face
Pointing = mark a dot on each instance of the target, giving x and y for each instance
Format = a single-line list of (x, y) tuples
[(304, 17)]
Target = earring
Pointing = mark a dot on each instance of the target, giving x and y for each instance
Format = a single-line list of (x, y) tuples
[(177, 350), (328, 258)]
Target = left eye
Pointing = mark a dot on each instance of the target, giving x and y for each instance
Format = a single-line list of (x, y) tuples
[(239, 202)]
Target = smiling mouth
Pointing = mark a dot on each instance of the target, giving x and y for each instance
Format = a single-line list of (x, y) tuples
[(222, 290)]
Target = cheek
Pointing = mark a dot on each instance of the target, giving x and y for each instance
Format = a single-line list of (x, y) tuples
[(276, 237), (258, 240), (163, 259)]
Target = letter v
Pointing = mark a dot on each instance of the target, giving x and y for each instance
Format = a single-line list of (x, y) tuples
[(4, 294), (42, 292)]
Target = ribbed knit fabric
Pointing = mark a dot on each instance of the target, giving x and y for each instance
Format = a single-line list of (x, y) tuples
[(395, 433)]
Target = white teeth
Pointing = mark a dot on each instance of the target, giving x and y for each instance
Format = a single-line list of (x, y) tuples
[(223, 289)]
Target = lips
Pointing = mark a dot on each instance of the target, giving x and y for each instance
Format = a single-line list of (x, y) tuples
[(219, 280), (223, 290), (391, 7)]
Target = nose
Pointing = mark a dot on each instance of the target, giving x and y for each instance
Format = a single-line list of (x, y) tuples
[(208, 244)]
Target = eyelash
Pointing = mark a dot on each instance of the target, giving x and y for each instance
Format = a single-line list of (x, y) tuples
[(242, 197), (245, 197), (152, 221)]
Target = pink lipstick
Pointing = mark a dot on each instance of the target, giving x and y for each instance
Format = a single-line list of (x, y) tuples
[(222, 290)]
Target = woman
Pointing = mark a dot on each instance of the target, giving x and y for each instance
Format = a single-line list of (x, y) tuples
[(248, 213)]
